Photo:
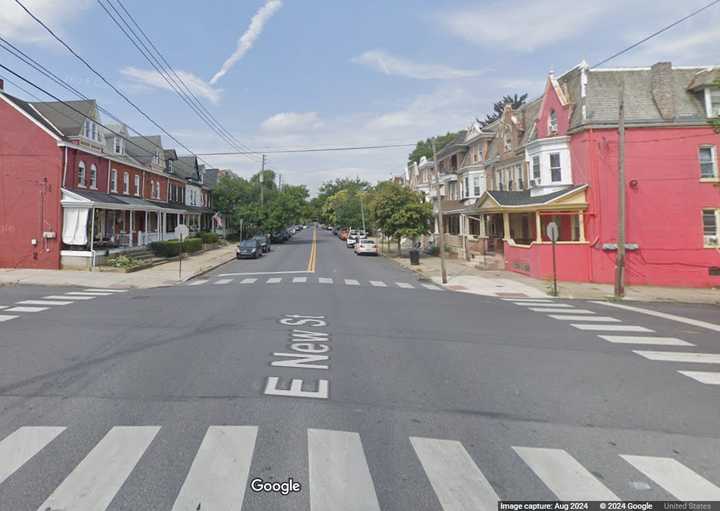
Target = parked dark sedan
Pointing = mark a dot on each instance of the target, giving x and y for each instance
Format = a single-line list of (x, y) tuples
[(249, 249), (264, 242)]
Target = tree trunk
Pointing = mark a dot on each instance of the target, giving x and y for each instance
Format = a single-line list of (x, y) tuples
[(399, 249)]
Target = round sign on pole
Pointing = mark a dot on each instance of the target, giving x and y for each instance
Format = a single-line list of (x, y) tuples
[(182, 231), (552, 231)]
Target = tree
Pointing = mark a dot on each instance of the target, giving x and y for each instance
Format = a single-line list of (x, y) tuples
[(424, 147), (514, 101), (326, 204), (344, 208), (399, 212)]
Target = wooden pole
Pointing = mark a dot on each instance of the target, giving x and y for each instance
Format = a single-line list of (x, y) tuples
[(441, 223), (620, 258)]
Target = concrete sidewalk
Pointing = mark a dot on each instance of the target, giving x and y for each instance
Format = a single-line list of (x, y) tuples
[(165, 274), (465, 277)]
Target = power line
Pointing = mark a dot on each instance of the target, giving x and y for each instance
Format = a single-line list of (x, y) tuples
[(164, 70), (657, 33), (120, 135), (29, 61), (313, 149), (105, 80)]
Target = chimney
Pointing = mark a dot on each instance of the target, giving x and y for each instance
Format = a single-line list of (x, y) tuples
[(661, 86)]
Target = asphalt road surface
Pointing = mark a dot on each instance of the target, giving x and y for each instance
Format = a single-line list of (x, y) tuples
[(364, 386)]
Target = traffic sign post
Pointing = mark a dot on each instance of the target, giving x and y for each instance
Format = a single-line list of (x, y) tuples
[(182, 232), (553, 233)]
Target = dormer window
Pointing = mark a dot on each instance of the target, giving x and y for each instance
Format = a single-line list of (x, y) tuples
[(712, 100), (552, 123), (156, 158), (118, 145), (91, 131)]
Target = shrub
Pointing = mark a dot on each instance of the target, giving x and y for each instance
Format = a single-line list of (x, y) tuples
[(192, 245), (172, 248), (122, 261), (208, 237)]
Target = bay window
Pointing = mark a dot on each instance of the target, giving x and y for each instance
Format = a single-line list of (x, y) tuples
[(555, 168)]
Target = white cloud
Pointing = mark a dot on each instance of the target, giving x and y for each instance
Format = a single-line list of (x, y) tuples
[(398, 66), (523, 25), (292, 122), (17, 25), (152, 78), (247, 40)]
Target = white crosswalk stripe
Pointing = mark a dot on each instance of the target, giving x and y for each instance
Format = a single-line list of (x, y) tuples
[(44, 302), (7, 317), (95, 481), (222, 282), (545, 300), (351, 282), (218, 474), (273, 280), (432, 286), (563, 474), (325, 280), (635, 339), (67, 297), (543, 304), (27, 309), (23, 444), (4, 307), (106, 290), (404, 285), (706, 377), (339, 474), (198, 282), (86, 293), (612, 328), (570, 317), (675, 478), (299, 280), (564, 311), (248, 281), (378, 283), (678, 356), (458, 482)]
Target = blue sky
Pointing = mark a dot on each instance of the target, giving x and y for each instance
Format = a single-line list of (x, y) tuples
[(325, 73)]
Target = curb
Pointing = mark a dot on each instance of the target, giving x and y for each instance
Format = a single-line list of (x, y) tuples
[(207, 270)]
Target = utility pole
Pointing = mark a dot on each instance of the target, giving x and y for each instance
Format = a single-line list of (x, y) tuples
[(362, 212), (262, 182), (620, 258), (441, 226)]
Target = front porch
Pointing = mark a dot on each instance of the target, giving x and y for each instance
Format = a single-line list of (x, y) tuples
[(97, 226)]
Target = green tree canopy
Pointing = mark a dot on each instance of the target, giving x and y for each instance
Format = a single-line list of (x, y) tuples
[(424, 147), (515, 101), (399, 211)]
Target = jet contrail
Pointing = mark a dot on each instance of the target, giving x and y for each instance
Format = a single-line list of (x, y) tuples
[(247, 40)]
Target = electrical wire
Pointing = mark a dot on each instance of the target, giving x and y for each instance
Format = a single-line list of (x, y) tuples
[(170, 76), (105, 80), (656, 33), (312, 150)]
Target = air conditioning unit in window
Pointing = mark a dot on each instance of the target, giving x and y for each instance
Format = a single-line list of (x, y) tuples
[(534, 183), (711, 240)]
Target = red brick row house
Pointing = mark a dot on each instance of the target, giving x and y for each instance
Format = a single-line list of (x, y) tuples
[(556, 159), (73, 193)]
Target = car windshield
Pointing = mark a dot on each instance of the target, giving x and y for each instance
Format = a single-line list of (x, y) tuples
[(526, 317)]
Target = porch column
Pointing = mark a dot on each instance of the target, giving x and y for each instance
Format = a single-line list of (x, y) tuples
[(483, 229), (132, 227), (581, 219), (506, 226), (538, 227)]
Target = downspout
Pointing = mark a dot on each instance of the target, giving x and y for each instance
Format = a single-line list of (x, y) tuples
[(109, 172), (65, 160), (92, 239)]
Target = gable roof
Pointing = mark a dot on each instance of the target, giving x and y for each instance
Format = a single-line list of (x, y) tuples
[(523, 198), (68, 117), (27, 108)]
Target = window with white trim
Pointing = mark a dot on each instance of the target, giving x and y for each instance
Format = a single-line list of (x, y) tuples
[(126, 183), (467, 187), (81, 174), (93, 177), (536, 168), (711, 227), (113, 180), (708, 162), (137, 184), (714, 103), (118, 145), (555, 168), (476, 185), (519, 174), (156, 158), (552, 123)]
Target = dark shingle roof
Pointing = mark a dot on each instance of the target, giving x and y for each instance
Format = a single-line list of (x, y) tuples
[(186, 167), (28, 109), (143, 148), (69, 116), (524, 198)]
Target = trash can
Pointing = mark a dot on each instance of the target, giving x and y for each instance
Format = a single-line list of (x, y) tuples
[(414, 257)]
